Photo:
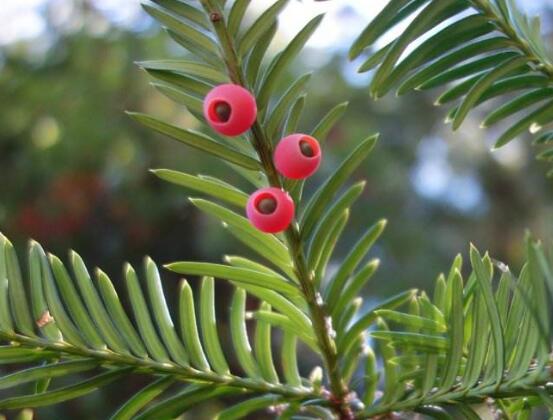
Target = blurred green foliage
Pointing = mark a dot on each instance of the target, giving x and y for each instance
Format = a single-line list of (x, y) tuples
[(73, 168)]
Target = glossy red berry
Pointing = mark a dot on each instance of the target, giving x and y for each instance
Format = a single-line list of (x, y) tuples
[(271, 210), (230, 109), (297, 156)]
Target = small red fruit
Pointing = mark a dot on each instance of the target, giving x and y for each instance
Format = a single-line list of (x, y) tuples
[(230, 109), (297, 156), (271, 210)]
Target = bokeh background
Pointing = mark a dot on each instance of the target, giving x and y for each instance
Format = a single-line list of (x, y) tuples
[(73, 166)]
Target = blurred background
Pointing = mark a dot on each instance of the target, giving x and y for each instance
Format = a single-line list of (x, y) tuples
[(73, 166)]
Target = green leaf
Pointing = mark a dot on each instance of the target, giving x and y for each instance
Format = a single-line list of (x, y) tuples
[(143, 318), (375, 59), (351, 262), (259, 26), (289, 359), (183, 83), (182, 28), (263, 348), (188, 327), (467, 69), (447, 61), (274, 119), (237, 261), (456, 92), (394, 11), (294, 116), (283, 322), (245, 408), (142, 398), (320, 200), (74, 304), (95, 306), (13, 354), (48, 371), (118, 315), (161, 314), (392, 384), (426, 341), (256, 56), (434, 411), (320, 132), (186, 67), (239, 334), (236, 15), (431, 15), (281, 61), (208, 322), (370, 317), (478, 344), (68, 329), (350, 360), (16, 291), (66, 393), (532, 122), (196, 49), (6, 322), (191, 396), (355, 286), (235, 274), (350, 313), (252, 240), (39, 305), (334, 235), (291, 308), (221, 191), (454, 356), (545, 138), (370, 377), (484, 281), (476, 91), (459, 32), (185, 10), (197, 140), (193, 104), (325, 226), (271, 243), (516, 105), (411, 321)]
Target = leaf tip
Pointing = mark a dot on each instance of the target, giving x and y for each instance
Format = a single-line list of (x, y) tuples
[(170, 266), (128, 269)]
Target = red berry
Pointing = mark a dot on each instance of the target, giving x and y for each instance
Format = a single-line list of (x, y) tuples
[(270, 210), (297, 156), (230, 109)]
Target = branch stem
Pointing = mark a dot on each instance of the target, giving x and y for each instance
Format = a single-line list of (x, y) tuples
[(523, 388), (263, 146), (183, 373), (504, 26)]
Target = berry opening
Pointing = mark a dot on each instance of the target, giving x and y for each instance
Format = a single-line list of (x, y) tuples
[(266, 205), (306, 149), (222, 111)]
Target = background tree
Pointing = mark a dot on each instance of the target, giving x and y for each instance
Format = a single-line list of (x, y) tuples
[(384, 182)]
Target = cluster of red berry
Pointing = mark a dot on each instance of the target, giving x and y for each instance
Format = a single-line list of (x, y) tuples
[(231, 110)]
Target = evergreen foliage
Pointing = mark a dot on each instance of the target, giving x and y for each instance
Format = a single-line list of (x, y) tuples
[(482, 338)]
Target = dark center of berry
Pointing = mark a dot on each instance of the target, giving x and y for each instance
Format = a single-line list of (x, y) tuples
[(267, 205), (222, 110), (306, 149)]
